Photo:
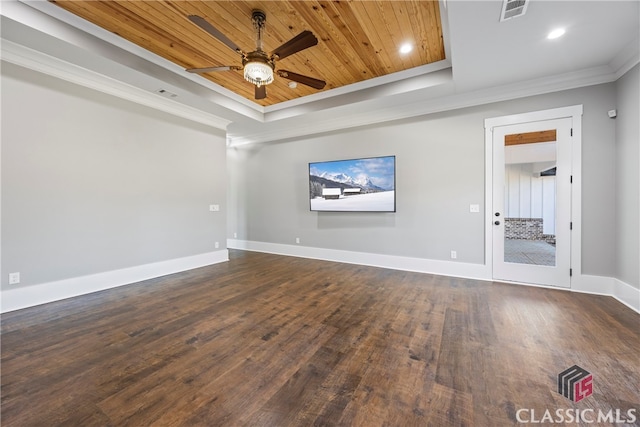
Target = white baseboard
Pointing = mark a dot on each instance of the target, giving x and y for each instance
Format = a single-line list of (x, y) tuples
[(588, 284), (28, 296), (626, 294), (420, 265), (600, 285), (609, 286)]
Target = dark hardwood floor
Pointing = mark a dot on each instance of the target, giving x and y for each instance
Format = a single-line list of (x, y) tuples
[(268, 340)]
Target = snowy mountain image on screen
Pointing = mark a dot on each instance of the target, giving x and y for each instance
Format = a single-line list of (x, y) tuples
[(363, 181)]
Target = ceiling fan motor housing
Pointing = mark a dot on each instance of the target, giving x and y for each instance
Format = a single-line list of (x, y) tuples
[(258, 18)]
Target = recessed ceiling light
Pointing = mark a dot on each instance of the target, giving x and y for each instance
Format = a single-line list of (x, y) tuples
[(556, 33), (406, 48)]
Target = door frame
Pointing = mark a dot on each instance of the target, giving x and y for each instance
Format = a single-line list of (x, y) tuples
[(558, 274), (575, 114)]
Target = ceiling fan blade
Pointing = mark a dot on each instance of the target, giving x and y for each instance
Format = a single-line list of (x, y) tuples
[(305, 80), (202, 23), (300, 42), (261, 92), (213, 69)]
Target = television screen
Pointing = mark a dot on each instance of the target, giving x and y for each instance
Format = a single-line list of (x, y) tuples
[(356, 185)]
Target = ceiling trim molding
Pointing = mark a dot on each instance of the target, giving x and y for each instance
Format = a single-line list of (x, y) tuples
[(387, 81), (628, 58), (87, 28), (572, 80), (38, 61)]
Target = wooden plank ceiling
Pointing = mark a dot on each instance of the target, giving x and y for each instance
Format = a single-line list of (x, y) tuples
[(358, 40), (530, 137)]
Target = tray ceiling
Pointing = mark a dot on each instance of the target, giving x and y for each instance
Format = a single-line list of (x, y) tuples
[(358, 40)]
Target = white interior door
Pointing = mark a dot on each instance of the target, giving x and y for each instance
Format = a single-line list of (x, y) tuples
[(531, 219)]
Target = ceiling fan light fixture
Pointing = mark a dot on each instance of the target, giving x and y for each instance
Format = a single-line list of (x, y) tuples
[(258, 73)]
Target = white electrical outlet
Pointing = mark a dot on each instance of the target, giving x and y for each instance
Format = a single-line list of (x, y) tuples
[(214, 208), (217, 245), (14, 278), (297, 240), (235, 235), (454, 255)]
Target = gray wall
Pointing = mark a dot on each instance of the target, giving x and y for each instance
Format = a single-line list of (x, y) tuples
[(440, 171), (92, 183), (628, 178)]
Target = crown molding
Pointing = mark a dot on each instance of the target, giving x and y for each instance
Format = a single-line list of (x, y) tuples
[(43, 63), (628, 58), (358, 115), (50, 10)]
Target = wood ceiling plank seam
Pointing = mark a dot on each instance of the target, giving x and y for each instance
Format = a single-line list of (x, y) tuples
[(178, 25), (283, 23), (335, 43), (422, 17), (367, 16), (328, 66), (431, 36), (431, 50), (387, 46), (91, 14), (364, 61), (310, 61), (422, 24), (102, 14), (390, 23), (406, 33), (283, 29), (184, 47), (408, 29), (161, 40), (355, 35), (438, 22), (435, 37)]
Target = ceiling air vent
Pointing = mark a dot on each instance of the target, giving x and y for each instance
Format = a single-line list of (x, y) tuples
[(513, 9)]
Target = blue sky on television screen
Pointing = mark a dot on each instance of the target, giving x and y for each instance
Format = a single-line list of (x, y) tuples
[(380, 170)]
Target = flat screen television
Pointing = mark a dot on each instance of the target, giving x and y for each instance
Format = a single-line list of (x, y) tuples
[(355, 185)]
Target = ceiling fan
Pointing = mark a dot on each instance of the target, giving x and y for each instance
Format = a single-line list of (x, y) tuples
[(258, 66)]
